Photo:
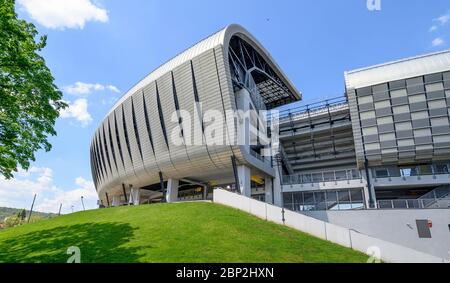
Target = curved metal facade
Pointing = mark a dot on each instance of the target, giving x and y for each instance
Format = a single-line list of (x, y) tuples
[(132, 144)]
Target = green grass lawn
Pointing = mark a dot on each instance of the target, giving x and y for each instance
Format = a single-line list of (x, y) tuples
[(181, 232)]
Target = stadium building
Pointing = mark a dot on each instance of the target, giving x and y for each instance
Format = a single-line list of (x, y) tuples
[(385, 144)]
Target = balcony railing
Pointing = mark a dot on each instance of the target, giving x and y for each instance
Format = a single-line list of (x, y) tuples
[(311, 109), (322, 177), (323, 206), (414, 204), (413, 171)]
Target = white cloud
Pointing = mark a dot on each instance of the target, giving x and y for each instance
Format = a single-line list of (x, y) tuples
[(438, 41), (19, 192), (61, 14), (84, 188), (80, 88), (78, 110), (440, 21)]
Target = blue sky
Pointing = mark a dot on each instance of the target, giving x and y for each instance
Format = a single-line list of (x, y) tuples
[(97, 50)]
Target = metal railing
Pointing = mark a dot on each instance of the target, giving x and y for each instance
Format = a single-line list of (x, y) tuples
[(413, 204), (322, 177), (264, 159), (413, 171), (326, 205), (438, 193), (312, 108)]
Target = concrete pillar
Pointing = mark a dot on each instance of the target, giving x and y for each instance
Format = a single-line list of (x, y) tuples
[(277, 190), (205, 192), (268, 181), (371, 191), (245, 185), (135, 196), (172, 190), (115, 200)]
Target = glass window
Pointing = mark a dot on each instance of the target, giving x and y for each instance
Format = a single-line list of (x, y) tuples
[(367, 115), (417, 98), (370, 131), (380, 88), (385, 120), (383, 104), (401, 109), (442, 168), (445, 138), (331, 196), (399, 93), (422, 133), (419, 115), (387, 137), (439, 122), (424, 147), (357, 195), (372, 146), (381, 173), (414, 81), (434, 87), (407, 142), (365, 99), (344, 196), (389, 151), (436, 104), (309, 197), (406, 172), (319, 197), (405, 126)]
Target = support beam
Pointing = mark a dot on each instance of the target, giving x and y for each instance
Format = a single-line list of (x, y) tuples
[(372, 201), (124, 193), (107, 199), (277, 189), (172, 190), (116, 200), (163, 189), (245, 186), (268, 186), (135, 196), (235, 172)]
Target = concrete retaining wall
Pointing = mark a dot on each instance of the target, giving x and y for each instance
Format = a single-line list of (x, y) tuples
[(396, 226), (386, 251)]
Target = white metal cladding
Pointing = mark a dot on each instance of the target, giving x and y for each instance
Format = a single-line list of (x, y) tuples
[(219, 39), (136, 133), (398, 70)]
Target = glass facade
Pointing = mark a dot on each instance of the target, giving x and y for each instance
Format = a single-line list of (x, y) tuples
[(345, 199), (406, 120)]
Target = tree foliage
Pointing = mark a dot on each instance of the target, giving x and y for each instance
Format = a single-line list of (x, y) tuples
[(30, 102)]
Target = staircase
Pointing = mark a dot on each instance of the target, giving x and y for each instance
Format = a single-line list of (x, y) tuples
[(437, 198)]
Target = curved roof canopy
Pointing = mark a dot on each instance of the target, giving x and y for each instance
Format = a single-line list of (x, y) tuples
[(276, 90)]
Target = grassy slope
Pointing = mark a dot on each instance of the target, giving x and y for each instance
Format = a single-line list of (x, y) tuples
[(183, 232)]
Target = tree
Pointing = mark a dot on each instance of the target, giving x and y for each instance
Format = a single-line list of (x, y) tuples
[(30, 102), (23, 215)]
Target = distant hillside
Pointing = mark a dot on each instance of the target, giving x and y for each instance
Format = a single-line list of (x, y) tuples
[(6, 212)]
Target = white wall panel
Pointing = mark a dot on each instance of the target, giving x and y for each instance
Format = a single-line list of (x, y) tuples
[(150, 165), (198, 154), (137, 158), (161, 149), (177, 153), (128, 165)]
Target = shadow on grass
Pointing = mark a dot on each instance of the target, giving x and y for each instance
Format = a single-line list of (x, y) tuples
[(98, 242)]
